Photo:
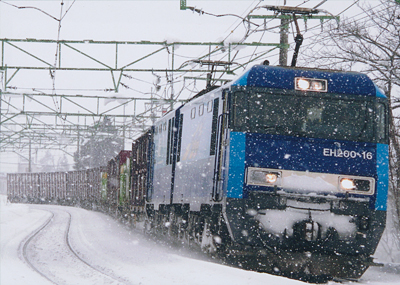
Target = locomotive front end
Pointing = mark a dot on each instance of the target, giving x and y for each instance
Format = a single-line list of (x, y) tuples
[(307, 169)]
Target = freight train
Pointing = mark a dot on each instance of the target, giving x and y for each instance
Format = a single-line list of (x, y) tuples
[(283, 169)]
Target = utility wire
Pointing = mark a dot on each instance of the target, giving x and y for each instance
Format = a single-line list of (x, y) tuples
[(53, 72), (40, 10), (248, 33), (30, 7)]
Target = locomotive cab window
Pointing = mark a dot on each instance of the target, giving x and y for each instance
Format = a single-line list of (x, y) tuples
[(327, 117), (240, 110), (343, 119)]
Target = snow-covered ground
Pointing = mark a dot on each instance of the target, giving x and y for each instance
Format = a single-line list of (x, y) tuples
[(78, 246)]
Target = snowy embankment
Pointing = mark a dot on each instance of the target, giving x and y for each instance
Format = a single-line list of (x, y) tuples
[(84, 239)]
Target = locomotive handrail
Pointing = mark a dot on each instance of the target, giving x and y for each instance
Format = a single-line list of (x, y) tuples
[(308, 209), (217, 161)]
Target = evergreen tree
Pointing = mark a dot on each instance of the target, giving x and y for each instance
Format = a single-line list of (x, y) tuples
[(103, 144), (47, 162)]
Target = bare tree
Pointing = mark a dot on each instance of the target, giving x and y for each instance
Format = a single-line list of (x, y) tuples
[(371, 44)]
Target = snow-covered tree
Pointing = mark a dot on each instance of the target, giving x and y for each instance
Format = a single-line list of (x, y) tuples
[(47, 162), (100, 147), (62, 164)]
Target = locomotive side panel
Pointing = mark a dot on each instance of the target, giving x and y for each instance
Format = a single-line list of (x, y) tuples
[(194, 172), (164, 134)]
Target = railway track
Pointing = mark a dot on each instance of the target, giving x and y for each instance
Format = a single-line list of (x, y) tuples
[(62, 229), (49, 248), (24, 248)]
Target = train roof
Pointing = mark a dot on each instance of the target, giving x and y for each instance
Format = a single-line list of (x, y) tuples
[(339, 82), (123, 156)]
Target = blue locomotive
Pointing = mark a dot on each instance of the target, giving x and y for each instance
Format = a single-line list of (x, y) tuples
[(284, 169)]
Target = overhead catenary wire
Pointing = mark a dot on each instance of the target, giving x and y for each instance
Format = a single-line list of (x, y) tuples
[(317, 26), (248, 56), (317, 38), (248, 13), (249, 32), (61, 17), (271, 28)]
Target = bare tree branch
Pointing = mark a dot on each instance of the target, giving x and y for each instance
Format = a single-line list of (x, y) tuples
[(371, 45)]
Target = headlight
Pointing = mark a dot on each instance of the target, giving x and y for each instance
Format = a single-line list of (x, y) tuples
[(271, 177), (357, 184), (347, 184), (303, 84), (264, 177), (310, 84)]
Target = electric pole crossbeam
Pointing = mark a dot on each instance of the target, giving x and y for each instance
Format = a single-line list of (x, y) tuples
[(24, 112), (122, 56), (84, 105), (287, 14)]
